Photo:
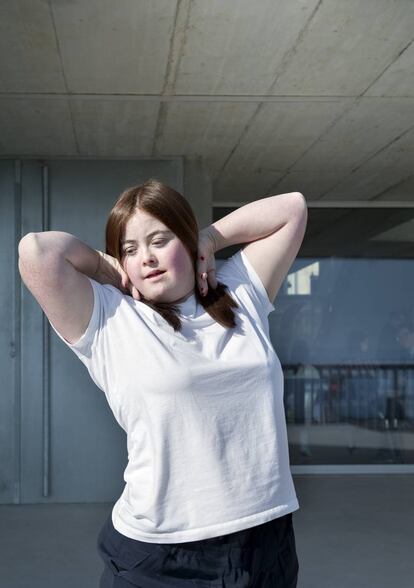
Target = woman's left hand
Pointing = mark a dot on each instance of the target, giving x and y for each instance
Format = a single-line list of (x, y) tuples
[(206, 262)]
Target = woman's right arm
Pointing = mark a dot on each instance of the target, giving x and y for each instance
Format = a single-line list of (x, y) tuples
[(54, 265)]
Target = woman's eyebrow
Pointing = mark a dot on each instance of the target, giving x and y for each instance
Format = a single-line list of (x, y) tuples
[(148, 236)]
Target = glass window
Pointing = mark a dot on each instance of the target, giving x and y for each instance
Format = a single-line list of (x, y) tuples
[(343, 329)]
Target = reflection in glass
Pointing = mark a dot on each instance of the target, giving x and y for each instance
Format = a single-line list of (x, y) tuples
[(343, 329)]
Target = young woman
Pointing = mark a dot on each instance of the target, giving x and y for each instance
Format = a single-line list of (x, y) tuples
[(182, 352)]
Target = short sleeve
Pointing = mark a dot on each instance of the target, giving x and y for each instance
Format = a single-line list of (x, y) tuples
[(238, 273), (92, 347)]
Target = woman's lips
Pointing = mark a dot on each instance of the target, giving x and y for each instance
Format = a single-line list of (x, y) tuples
[(154, 276)]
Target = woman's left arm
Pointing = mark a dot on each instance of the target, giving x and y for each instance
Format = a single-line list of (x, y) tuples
[(273, 229), (256, 220)]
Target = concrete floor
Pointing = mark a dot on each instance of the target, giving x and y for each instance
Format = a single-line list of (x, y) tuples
[(351, 530)]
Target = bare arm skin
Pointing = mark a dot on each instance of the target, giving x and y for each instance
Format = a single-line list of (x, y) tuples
[(53, 265)]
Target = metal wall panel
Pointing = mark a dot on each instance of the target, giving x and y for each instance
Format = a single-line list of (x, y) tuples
[(9, 337), (59, 441)]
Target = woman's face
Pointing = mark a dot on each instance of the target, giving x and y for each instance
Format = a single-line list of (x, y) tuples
[(154, 246)]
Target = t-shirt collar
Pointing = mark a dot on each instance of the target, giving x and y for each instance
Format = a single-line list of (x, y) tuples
[(188, 308)]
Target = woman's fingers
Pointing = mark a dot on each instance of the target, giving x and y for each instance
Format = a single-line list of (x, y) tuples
[(207, 278), (205, 262), (203, 283), (212, 278), (124, 279), (128, 287)]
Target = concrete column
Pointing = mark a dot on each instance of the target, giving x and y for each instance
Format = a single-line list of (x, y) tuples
[(198, 189)]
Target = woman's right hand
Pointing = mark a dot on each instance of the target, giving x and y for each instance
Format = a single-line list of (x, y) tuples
[(110, 271)]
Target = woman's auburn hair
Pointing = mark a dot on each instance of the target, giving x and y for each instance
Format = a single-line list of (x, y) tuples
[(171, 208)]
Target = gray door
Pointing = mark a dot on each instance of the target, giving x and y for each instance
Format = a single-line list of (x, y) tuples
[(59, 441)]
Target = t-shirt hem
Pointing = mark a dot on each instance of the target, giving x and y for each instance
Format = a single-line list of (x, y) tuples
[(206, 532)]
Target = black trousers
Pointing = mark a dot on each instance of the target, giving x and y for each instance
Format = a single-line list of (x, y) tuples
[(259, 557)]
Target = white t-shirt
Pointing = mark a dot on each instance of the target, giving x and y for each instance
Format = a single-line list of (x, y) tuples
[(203, 411)]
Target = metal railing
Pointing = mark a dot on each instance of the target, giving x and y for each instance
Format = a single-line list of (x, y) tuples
[(376, 396)]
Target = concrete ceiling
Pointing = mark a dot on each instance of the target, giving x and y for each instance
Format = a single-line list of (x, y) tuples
[(315, 96)]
